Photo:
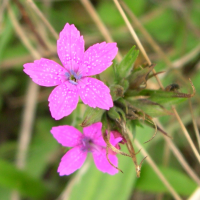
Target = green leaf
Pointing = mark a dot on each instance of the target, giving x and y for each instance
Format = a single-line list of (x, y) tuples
[(149, 107), (13, 178), (163, 98), (149, 181), (126, 65)]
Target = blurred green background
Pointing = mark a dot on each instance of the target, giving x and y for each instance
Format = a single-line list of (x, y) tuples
[(175, 27)]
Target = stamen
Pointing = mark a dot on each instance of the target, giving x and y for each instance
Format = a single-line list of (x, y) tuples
[(73, 82), (67, 75), (88, 145)]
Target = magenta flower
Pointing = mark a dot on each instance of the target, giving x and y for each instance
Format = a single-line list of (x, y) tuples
[(90, 141), (73, 80)]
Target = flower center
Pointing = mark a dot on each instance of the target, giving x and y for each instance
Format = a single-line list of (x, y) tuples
[(88, 145), (73, 77)]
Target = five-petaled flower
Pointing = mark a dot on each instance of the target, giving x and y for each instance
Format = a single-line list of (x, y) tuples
[(90, 141), (72, 79)]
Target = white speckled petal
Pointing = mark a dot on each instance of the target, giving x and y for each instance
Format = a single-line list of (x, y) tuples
[(72, 161), (95, 93), (70, 47), (45, 72), (97, 58), (66, 135), (63, 100)]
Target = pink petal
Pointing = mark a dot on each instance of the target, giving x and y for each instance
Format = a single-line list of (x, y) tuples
[(95, 93), (63, 100), (72, 161), (114, 141), (70, 47), (66, 135), (97, 58), (102, 163), (45, 72), (93, 131)]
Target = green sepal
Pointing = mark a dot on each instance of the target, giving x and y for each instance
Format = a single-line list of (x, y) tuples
[(122, 103), (104, 121), (121, 112), (139, 77), (125, 84), (116, 92), (92, 115), (124, 68), (113, 114)]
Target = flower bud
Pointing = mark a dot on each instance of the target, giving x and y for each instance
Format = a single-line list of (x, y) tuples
[(113, 114), (92, 115), (116, 92)]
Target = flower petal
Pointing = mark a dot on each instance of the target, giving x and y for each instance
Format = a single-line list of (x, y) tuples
[(114, 140), (97, 58), (45, 72), (63, 100), (95, 93), (93, 131), (70, 47), (102, 163), (72, 161), (66, 135)]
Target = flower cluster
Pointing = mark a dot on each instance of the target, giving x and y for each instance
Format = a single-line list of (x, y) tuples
[(73, 80)]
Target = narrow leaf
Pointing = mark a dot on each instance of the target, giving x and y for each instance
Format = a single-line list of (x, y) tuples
[(126, 65), (149, 181)]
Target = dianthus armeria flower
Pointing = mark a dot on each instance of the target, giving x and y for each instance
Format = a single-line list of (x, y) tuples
[(73, 79), (91, 141)]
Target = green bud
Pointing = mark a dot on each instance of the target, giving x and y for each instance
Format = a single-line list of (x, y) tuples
[(139, 77), (113, 114), (119, 110), (92, 115), (116, 92), (124, 84)]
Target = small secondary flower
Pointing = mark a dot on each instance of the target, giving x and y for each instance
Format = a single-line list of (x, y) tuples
[(72, 79), (91, 141)]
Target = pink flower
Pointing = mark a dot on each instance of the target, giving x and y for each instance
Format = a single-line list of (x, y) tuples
[(73, 80), (90, 141)]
